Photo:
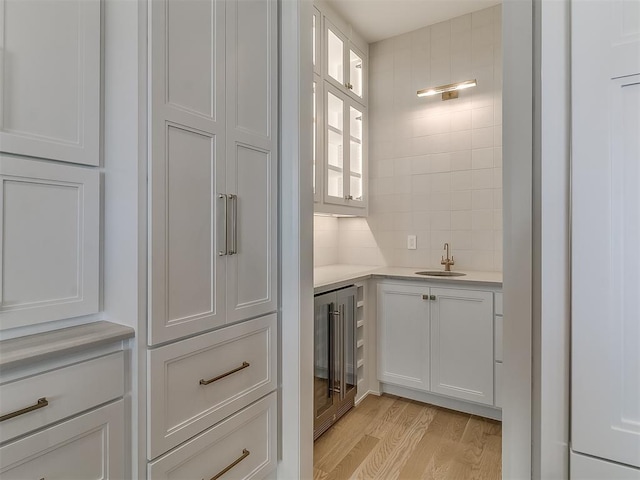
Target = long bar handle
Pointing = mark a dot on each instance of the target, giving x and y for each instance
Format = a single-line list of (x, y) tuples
[(245, 454), (41, 403), (230, 372), (343, 356), (224, 252), (234, 224)]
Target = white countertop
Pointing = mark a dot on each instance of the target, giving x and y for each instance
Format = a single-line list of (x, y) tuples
[(42, 346), (338, 275)]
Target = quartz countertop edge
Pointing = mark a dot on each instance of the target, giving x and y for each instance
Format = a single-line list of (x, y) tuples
[(335, 276), (33, 348)]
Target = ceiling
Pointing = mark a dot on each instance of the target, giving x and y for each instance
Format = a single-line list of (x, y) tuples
[(379, 19)]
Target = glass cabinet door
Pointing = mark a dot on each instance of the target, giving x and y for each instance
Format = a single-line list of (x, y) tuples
[(356, 68), (315, 40), (335, 146), (335, 45), (356, 172), (323, 368)]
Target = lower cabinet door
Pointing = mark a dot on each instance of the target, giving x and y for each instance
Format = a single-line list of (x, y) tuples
[(403, 335), (241, 447), (584, 467), (87, 447), (462, 344)]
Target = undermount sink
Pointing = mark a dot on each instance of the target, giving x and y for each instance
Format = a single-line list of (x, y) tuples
[(440, 273)]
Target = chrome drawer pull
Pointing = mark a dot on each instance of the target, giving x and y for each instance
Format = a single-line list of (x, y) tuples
[(245, 454), (42, 402), (230, 372)]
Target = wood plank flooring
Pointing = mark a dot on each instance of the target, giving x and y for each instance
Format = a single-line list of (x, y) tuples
[(391, 438)]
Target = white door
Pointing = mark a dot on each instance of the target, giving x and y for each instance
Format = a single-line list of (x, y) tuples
[(606, 230), (462, 344), (252, 120), (403, 335), (50, 79), (187, 169)]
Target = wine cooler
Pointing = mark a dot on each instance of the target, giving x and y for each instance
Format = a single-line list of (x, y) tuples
[(335, 368)]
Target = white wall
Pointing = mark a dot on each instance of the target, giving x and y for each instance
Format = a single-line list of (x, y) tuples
[(435, 167), (325, 240)]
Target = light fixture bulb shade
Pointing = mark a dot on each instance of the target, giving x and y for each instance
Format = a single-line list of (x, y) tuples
[(427, 92)]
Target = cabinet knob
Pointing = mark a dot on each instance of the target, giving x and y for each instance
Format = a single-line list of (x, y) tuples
[(432, 297), (425, 297)]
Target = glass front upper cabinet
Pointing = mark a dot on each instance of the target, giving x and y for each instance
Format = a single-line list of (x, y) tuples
[(345, 67), (344, 171), (315, 40)]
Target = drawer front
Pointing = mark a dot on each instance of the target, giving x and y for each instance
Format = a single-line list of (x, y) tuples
[(497, 340), (90, 446), (498, 303), (196, 383), (243, 446), (68, 391)]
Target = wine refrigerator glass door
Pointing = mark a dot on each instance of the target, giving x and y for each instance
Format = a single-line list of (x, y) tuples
[(323, 363)]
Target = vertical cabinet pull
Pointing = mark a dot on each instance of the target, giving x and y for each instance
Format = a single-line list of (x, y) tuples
[(224, 252), (41, 403), (245, 454), (234, 224)]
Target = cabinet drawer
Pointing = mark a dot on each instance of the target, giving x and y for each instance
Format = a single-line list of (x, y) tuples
[(68, 391), (87, 446), (195, 383), (246, 442), (497, 338), (498, 303)]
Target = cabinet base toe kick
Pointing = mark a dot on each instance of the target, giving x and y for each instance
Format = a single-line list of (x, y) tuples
[(485, 411)]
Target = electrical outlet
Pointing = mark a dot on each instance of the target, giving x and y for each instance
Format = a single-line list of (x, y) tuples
[(412, 242)]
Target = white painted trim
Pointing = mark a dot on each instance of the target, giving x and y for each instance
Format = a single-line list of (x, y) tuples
[(443, 401), (296, 241), (551, 240), (517, 28)]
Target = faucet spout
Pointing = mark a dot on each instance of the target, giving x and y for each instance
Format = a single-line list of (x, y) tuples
[(447, 262)]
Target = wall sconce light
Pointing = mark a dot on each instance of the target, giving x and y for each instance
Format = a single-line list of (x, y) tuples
[(448, 91)]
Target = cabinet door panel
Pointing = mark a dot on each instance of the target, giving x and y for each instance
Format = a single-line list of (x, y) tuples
[(462, 344), (605, 327), (187, 170), (90, 446), (403, 335), (252, 158), (49, 229), (50, 79)]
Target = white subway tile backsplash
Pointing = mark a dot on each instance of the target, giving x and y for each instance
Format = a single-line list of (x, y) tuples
[(461, 180), (481, 179), (482, 158), (461, 160), (482, 199), (482, 137), (435, 167)]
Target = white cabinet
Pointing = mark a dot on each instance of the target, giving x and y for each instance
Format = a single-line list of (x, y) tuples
[(344, 150), (345, 64), (462, 344), (50, 79), (243, 447), (403, 335), (50, 237), (200, 381), (91, 445), (438, 340), (339, 121), (213, 170), (605, 327)]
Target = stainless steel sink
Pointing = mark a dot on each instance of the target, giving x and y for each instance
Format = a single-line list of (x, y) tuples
[(440, 273)]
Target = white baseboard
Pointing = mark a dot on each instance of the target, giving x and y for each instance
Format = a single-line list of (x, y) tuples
[(445, 402)]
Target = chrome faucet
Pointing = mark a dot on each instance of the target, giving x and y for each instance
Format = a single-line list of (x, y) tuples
[(447, 262)]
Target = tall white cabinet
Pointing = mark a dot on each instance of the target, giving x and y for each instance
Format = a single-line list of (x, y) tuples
[(212, 327), (605, 390), (213, 165)]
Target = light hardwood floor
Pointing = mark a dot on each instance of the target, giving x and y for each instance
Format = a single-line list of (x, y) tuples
[(392, 438)]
